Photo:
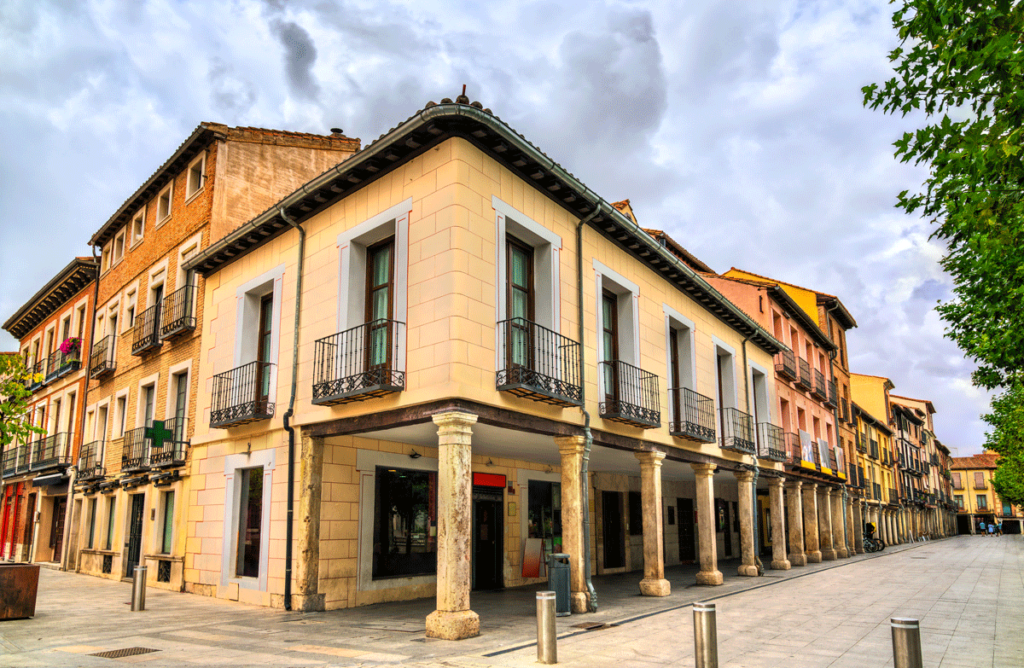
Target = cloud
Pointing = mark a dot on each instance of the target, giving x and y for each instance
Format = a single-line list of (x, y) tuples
[(299, 58)]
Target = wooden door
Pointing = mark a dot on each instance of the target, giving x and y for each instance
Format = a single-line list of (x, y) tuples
[(57, 527)]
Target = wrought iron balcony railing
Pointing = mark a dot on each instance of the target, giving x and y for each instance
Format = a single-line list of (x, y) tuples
[(358, 364), (804, 380), (173, 444), (60, 364), (135, 451), (737, 430), (785, 365), (833, 395), (537, 363), (13, 456), (90, 462), (241, 396), (51, 452), (819, 390), (630, 395), (770, 442), (873, 450), (693, 415), (794, 449), (146, 332), (101, 361), (38, 377), (179, 313)]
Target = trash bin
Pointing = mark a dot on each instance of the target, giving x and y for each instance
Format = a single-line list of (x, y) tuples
[(558, 582)]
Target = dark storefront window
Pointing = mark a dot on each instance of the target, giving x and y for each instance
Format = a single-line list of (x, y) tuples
[(405, 523), (249, 523), (545, 514), (636, 514)]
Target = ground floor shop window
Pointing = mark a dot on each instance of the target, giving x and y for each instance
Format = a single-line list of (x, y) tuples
[(92, 521), (111, 520), (405, 523), (166, 545), (250, 522), (544, 520)]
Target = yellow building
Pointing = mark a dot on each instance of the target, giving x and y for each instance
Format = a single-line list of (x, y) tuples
[(976, 499), (457, 359)]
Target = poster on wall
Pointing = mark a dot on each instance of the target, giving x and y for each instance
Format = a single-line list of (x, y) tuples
[(806, 447), (823, 449), (840, 460)]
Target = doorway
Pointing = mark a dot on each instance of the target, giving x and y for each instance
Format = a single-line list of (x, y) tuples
[(724, 525), (136, 509), (684, 513), (60, 504), (488, 545), (614, 537)]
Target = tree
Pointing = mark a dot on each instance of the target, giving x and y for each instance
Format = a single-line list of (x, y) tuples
[(15, 426), (961, 62)]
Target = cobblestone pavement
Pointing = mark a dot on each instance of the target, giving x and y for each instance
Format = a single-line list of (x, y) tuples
[(967, 592)]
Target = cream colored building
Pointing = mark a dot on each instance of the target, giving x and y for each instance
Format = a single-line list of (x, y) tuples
[(391, 355)]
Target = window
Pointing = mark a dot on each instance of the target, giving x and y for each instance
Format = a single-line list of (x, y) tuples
[(148, 405), (120, 415), (610, 343), (1007, 510), (129, 311), (544, 514), (81, 322), (379, 297), (636, 514), (405, 523), (982, 502), (957, 484), (138, 227), (167, 535), (111, 519), (118, 251), (92, 521), (101, 424), (179, 387), (535, 249), (250, 521), (163, 203), (979, 480), (65, 329), (196, 176)]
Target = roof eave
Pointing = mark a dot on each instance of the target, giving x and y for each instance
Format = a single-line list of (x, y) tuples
[(14, 323)]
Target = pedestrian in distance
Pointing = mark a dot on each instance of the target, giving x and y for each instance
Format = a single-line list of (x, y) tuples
[(999, 528), (981, 527), (991, 529)]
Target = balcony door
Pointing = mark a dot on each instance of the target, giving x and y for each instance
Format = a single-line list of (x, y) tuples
[(158, 305), (610, 339), (266, 323), (180, 405), (674, 382), (380, 283), (521, 305)]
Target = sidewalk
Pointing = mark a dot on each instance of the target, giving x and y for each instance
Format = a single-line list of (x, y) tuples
[(78, 616)]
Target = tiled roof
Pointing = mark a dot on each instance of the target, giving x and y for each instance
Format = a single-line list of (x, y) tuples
[(986, 460), (843, 310)]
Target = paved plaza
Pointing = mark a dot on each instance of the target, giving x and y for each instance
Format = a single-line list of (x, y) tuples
[(968, 593)]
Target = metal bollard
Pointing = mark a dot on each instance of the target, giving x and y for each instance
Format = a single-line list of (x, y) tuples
[(547, 642), (906, 643), (139, 589), (705, 635)]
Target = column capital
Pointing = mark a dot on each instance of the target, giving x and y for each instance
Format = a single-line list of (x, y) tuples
[(744, 476), (813, 486), (826, 490), (570, 445), (794, 485), (650, 458), (776, 482), (454, 420), (701, 469)]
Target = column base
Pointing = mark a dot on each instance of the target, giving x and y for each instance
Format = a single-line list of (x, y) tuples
[(747, 570), (828, 554), (783, 565), (578, 601), (448, 625), (797, 560), (710, 578), (813, 557), (310, 603), (843, 553), (651, 587)]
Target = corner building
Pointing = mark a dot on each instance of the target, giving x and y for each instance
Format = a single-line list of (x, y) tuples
[(143, 364), (473, 324)]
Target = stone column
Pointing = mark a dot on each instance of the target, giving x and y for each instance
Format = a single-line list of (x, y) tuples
[(706, 542), (745, 483), (570, 448), (779, 561), (828, 553), (795, 523), (654, 582), (858, 526), (851, 526), (838, 528), (810, 509), (307, 596), (453, 620)]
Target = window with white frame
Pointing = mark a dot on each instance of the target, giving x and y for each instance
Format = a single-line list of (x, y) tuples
[(118, 249), (618, 346), (138, 226), (120, 415), (527, 244), (246, 535), (163, 203), (129, 310), (196, 176)]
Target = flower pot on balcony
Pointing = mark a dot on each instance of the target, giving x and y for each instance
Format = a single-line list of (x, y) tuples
[(19, 585)]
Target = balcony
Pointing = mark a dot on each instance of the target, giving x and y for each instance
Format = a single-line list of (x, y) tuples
[(737, 431), (240, 396), (38, 375), (770, 442), (539, 364), (819, 390), (173, 438), (146, 332), (357, 364), (90, 462), (52, 452), (16, 459), (135, 451), (101, 362), (60, 364), (804, 381), (630, 395), (794, 450), (873, 453), (179, 313), (693, 415), (833, 395), (785, 365)]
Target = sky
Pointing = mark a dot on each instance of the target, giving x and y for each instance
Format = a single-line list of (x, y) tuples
[(737, 127)]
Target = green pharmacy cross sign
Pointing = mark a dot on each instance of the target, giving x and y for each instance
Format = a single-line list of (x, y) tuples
[(157, 434)]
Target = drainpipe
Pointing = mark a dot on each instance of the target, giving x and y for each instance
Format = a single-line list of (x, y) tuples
[(757, 469), (69, 512), (289, 530), (588, 438)]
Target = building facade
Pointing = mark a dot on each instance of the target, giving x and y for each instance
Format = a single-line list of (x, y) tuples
[(53, 329), (976, 499)]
